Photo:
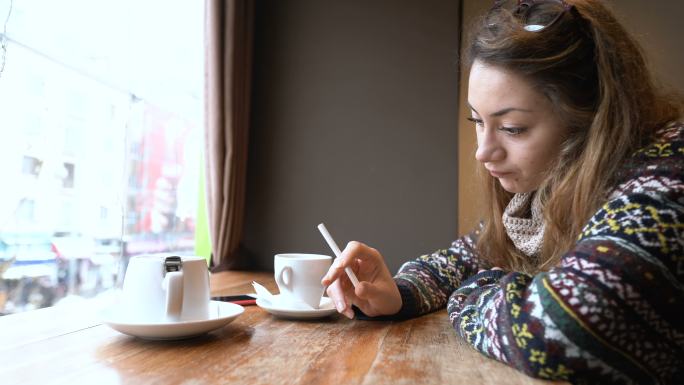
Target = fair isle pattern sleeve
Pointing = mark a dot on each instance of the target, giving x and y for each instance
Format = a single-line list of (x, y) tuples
[(426, 282), (609, 313)]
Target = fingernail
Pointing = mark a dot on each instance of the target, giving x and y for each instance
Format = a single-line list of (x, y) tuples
[(340, 306), (349, 313)]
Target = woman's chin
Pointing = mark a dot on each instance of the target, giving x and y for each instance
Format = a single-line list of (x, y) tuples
[(513, 187)]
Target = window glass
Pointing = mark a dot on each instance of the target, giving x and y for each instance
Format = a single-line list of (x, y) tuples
[(100, 142)]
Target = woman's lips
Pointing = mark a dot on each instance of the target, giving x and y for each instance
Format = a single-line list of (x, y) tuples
[(498, 174)]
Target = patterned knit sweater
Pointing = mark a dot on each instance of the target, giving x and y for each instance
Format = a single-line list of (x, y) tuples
[(610, 312)]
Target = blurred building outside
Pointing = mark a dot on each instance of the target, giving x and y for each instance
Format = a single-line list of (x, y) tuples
[(100, 144)]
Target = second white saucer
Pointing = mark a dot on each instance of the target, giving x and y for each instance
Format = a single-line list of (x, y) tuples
[(325, 309)]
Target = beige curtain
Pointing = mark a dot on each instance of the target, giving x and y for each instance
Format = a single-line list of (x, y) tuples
[(228, 37)]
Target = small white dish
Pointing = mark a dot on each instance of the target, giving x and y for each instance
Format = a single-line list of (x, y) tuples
[(283, 310), (270, 300), (221, 314)]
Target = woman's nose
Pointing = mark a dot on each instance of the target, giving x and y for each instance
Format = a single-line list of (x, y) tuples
[(488, 148)]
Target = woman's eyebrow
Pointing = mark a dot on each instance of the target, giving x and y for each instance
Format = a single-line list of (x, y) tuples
[(502, 111)]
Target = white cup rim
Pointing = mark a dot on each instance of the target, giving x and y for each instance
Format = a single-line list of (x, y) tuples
[(303, 257)]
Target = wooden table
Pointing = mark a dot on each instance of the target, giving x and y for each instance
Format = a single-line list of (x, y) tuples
[(69, 345)]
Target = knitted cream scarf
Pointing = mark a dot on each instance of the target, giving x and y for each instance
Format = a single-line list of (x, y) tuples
[(524, 223)]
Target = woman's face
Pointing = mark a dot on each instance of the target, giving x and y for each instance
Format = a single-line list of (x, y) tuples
[(518, 135)]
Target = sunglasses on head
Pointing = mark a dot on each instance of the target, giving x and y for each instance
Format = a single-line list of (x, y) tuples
[(535, 15)]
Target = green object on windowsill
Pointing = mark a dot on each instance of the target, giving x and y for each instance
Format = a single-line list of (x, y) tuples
[(202, 240)]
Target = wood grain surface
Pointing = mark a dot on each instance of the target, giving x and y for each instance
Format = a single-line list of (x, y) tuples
[(69, 345)]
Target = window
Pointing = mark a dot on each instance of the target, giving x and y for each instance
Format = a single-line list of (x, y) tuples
[(100, 142)]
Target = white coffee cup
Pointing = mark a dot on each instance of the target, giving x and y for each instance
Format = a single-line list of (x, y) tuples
[(299, 276), (162, 289)]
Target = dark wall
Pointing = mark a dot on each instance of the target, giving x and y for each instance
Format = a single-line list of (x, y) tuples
[(354, 119), (657, 25)]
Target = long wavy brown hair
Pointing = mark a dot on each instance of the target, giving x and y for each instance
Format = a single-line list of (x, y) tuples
[(597, 80)]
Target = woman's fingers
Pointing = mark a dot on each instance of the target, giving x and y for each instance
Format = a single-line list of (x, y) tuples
[(366, 290), (353, 252), (335, 272), (381, 297), (366, 294), (371, 271), (336, 294), (366, 308), (341, 299)]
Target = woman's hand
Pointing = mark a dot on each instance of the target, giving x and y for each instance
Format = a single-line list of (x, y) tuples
[(377, 293)]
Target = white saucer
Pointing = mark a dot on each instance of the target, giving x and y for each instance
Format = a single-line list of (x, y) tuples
[(221, 314), (325, 309)]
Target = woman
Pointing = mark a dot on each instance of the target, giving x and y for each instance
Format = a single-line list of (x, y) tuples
[(577, 270)]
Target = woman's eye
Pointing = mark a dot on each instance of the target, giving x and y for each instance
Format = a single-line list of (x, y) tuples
[(508, 130), (513, 130), (478, 122)]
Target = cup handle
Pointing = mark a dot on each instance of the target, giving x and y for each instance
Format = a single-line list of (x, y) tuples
[(284, 278), (173, 284)]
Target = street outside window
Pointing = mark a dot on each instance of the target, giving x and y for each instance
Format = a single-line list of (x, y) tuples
[(100, 143)]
